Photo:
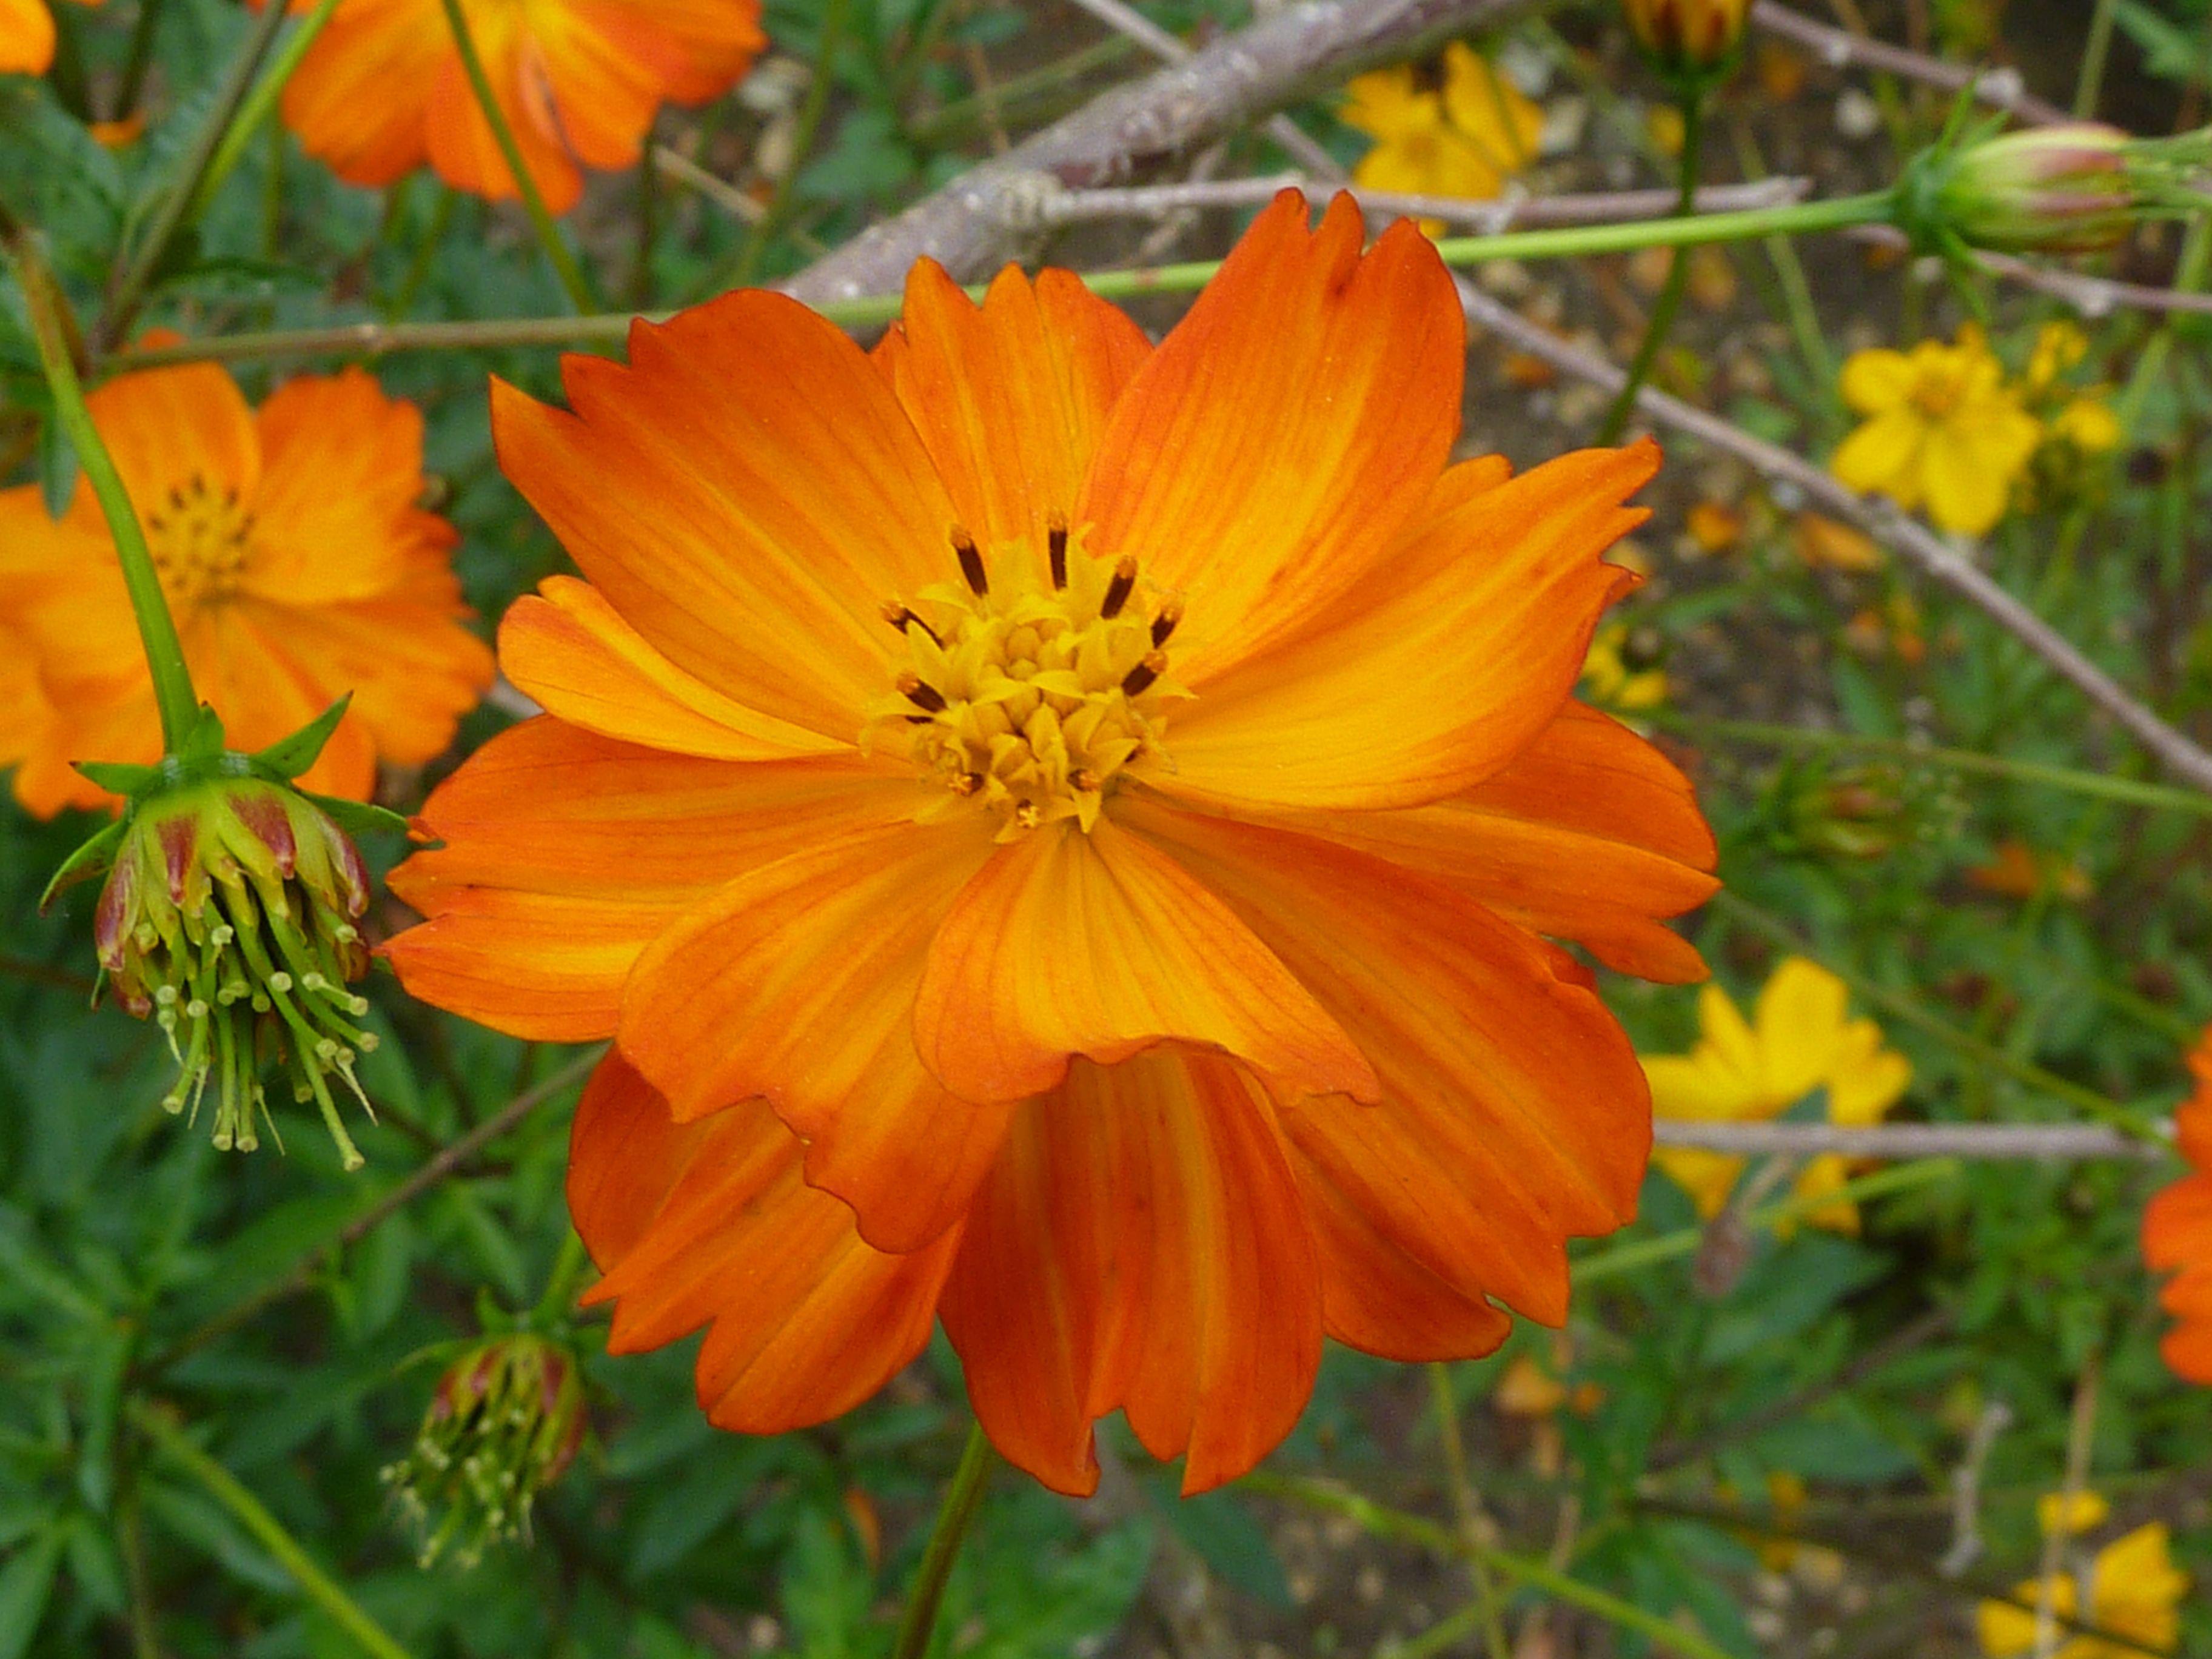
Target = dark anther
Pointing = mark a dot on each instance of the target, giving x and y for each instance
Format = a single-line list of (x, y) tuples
[(176, 497), (920, 692), (1118, 590), (966, 783), (898, 616), (917, 719), (971, 562), (1140, 677), (1165, 623), (1055, 536)]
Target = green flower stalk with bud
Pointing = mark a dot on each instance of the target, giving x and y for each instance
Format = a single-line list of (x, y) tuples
[(506, 1421), (231, 912)]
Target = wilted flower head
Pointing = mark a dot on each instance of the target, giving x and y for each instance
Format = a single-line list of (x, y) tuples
[(1693, 37), (230, 917), (505, 1423)]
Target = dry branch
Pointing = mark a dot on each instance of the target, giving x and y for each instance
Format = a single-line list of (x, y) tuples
[(2050, 1142), (2000, 88)]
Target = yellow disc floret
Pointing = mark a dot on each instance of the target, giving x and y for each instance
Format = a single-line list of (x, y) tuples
[(1028, 686)]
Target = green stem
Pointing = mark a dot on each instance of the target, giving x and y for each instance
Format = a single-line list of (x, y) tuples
[(2132, 791), (919, 1622), (1669, 1247), (267, 1531), (127, 292), (1539, 1576), (1489, 1615), (51, 327), (561, 1283), (763, 234), (549, 234), (1661, 320), (1900, 1006), (374, 340), (142, 55), (260, 103), (2091, 82)]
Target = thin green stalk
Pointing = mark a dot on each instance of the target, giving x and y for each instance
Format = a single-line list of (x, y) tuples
[(375, 340), (1539, 1575), (533, 201), (52, 328), (248, 1511), (570, 1266), (2122, 1117), (1661, 323), (1619, 1259), (763, 234), (142, 55), (260, 103), (2091, 82), (648, 224), (426, 252), (2132, 791), (1489, 1615), (126, 292), (919, 1622)]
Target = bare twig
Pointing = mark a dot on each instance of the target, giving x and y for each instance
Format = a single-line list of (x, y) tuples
[(2092, 296), (1966, 1490), (2081, 1433), (2000, 88), (1175, 112), (2051, 1142), (1918, 543), (721, 191), (1044, 202)]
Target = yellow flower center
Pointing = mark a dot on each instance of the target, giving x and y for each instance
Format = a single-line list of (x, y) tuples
[(1939, 391), (199, 537), (1026, 692)]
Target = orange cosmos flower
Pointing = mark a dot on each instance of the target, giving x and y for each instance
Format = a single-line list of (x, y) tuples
[(2178, 1231), (295, 558), (27, 36), (1062, 835), (382, 91)]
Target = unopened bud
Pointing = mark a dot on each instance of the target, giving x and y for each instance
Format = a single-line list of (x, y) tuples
[(2074, 187), (505, 1423), (1688, 37)]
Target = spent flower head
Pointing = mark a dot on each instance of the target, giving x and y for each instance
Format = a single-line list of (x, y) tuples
[(230, 917), (505, 1423)]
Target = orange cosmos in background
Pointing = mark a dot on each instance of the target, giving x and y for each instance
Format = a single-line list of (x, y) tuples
[(2178, 1231), (1064, 836), (295, 561), (27, 36), (382, 91)]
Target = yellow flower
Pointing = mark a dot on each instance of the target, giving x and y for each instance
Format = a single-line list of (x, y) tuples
[(2087, 424), (1800, 1040), (1463, 137), (2058, 348), (1941, 428), (1612, 681), (2135, 1592)]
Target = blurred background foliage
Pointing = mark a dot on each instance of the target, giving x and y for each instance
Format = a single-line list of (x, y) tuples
[(1753, 1435)]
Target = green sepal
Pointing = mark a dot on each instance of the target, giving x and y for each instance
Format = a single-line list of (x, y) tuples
[(203, 747), (89, 861), (288, 757), (119, 778), (357, 817)]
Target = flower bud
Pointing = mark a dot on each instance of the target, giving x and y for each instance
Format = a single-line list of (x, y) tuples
[(229, 918), (507, 1419), (2072, 188), (1688, 37)]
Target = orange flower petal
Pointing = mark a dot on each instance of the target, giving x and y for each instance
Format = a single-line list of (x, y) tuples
[(571, 651), (747, 495), (459, 141), (711, 1223), (1098, 945), (566, 854), (27, 37), (1590, 835), (336, 513), (2177, 1228), (1266, 455), (1489, 612), (358, 99), (262, 684), (1139, 1245), (797, 982), (1011, 396), (168, 427), (1514, 1113)]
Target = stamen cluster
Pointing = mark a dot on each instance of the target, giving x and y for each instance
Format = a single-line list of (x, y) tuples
[(229, 918), (507, 1419), (1028, 691), (199, 537)]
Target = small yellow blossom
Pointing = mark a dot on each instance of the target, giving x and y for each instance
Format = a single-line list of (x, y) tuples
[(2087, 424), (1460, 137), (1613, 679), (2135, 1592), (1800, 1039), (1941, 430), (2059, 347)]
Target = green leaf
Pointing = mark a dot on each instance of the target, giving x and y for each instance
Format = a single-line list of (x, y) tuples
[(358, 817), (288, 757), (1230, 1540), (25, 1583)]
